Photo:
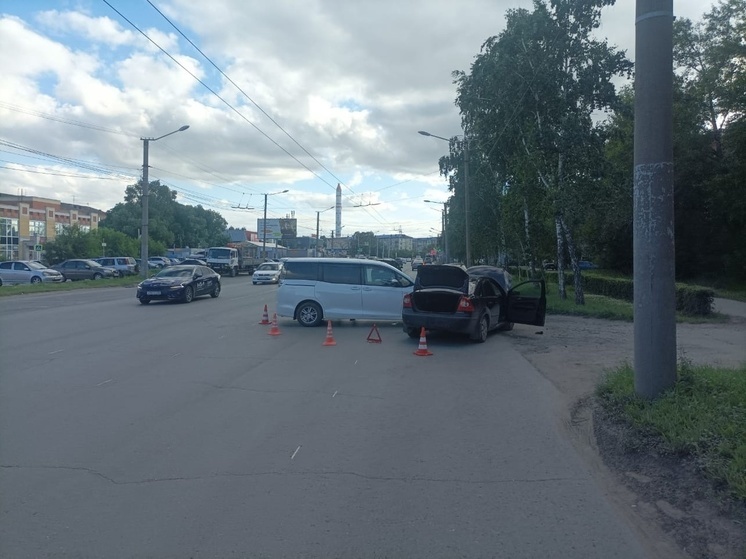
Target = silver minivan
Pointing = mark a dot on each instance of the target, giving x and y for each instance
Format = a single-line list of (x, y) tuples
[(312, 290)]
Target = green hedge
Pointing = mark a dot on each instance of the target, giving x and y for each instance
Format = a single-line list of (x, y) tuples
[(690, 300)]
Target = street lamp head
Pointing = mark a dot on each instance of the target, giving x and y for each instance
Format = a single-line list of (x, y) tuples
[(424, 133), (183, 128)]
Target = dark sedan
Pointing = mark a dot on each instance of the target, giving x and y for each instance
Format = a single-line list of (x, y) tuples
[(83, 269), (179, 283), (471, 301)]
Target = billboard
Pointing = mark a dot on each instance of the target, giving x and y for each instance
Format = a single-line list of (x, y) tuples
[(277, 229)]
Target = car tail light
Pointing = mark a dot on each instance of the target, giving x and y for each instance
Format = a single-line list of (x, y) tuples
[(407, 301), (464, 305)]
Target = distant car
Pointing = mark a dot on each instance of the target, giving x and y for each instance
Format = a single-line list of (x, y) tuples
[(84, 269), (471, 301), (391, 262), (193, 262), (586, 265), (179, 283), (417, 262), (548, 265), (269, 272), (124, 265), (160, 261), (27, 271)]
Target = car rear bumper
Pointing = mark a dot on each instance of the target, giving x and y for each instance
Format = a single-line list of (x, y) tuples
[(458, 323)]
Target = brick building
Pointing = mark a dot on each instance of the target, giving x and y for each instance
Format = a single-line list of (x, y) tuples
[(27, 222)]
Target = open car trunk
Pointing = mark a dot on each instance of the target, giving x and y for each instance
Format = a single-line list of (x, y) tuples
[(436, 301), (438, 288)]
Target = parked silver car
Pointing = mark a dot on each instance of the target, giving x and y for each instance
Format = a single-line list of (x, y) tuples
[(82, 269), (27, 271), (124, 265)]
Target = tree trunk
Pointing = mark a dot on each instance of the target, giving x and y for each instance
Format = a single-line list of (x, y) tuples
[(526, 223), (560, 258), (577, 279)]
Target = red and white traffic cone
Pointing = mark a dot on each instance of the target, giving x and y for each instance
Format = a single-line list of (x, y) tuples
[(422, 350), (329, 336), (274, 331), (265, 317)]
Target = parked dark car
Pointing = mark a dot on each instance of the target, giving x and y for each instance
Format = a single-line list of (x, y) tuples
[(586, 265), (179, 283), (83, 269), (471, 301), (549, 265), (193, 262)]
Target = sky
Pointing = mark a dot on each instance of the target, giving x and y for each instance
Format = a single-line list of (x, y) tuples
[(295, 95)]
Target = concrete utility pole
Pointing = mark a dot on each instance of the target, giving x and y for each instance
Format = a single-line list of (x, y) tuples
[(144, 268), (654, 257)]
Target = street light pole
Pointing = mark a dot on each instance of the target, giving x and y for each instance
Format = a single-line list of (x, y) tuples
[(318, 213), (144, 269), (444, 225), (467, 239), (264, 223)]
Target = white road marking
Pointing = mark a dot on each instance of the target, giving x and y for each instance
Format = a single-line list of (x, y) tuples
[(175, 355), (296, 452), (335, 393), (53, 352), (100, 383)]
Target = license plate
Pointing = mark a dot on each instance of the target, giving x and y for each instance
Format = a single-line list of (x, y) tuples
[(154, 293)]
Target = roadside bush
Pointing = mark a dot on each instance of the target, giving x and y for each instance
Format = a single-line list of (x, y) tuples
[(690, 299)]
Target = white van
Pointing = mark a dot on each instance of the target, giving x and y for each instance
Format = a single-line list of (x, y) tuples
[(315, 289)]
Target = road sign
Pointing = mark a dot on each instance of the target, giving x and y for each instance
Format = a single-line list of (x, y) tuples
[(38, 248)]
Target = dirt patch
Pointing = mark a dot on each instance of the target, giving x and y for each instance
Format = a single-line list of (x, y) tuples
[(675, 508)]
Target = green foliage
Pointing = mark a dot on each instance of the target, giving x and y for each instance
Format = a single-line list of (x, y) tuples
[(72, 242), (703, 415), (170, 223), (690, 299)]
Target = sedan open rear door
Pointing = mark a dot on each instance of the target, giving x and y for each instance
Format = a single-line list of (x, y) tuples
[(527, 303)]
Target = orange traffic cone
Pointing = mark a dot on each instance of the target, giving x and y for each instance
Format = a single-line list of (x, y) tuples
[(329, 336), (274, 331), (422, 350), (265, 317)]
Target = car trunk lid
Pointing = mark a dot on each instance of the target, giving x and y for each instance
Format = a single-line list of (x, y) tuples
[(440, 288)]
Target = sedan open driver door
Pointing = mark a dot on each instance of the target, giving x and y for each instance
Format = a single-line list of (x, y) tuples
[(527, 303)]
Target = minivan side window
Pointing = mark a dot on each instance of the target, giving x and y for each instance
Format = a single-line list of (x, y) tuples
[(301, 270), (341, 273)]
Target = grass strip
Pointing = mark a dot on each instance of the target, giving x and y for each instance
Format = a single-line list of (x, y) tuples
[(703, 415)]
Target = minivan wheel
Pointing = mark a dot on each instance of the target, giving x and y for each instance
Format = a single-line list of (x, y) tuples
[(309, 314), (97, 276), (36, 279)]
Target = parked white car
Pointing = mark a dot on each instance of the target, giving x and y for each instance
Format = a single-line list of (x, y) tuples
[(26, 271), (269, 272)]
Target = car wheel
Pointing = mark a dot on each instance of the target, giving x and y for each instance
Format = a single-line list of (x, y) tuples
[(97, 276), (413, 333), (64, 279), (36, 279), (233, 272), (215, 291), (120, 274), (309, 314), (188, 294), (254, 282), (1, 282), (144, 301), (483, 328)]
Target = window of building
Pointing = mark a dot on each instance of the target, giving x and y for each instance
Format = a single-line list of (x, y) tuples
[(59, 228), (9, 237), (38, 228)]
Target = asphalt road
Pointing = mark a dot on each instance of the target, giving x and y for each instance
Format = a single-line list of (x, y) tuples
[(174, 430)]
